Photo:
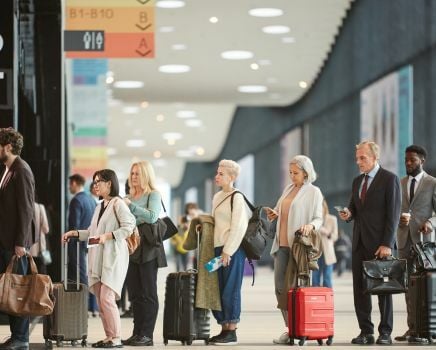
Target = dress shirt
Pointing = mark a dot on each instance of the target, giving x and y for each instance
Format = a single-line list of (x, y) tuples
[(371, 176), (418, 178)]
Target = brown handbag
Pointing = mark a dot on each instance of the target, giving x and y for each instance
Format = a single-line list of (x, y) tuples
[(134, 240), (26, 295)]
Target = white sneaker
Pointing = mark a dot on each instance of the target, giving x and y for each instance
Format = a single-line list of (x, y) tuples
[(283, 339)]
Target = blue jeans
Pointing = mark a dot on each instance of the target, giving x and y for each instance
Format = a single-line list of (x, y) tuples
[(19, 326), (230, 283), (326, 271)]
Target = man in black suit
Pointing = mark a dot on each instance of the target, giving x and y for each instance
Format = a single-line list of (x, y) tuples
[(17, 195), (375, 208)]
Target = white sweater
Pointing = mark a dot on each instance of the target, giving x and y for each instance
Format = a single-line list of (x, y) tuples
[(230, 225)]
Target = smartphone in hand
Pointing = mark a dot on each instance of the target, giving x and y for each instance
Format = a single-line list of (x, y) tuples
[(339, 208)]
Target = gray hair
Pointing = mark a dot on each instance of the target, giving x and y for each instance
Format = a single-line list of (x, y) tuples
[(232, 167), (373, 148), (305, 164)]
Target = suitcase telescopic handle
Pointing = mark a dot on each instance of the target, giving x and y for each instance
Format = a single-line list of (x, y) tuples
[(77, 264)]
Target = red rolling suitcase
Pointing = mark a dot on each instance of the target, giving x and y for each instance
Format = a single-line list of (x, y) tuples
[(311, 314)]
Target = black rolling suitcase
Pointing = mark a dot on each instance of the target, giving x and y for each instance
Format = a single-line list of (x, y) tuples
[(422, 292), (182, 320), (69, 320)]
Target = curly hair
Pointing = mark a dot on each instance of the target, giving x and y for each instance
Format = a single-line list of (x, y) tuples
[(10, 136)]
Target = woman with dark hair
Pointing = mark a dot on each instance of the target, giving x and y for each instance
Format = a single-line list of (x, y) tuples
[(111, 224)]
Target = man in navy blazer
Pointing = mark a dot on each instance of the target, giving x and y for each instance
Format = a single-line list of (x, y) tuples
[(17, 196), (80, 212), (375, 209)]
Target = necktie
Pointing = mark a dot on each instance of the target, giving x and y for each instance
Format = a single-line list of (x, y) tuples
[(364, 189), (412, 190)]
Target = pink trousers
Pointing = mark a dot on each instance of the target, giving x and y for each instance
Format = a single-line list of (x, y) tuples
[(109, 313)]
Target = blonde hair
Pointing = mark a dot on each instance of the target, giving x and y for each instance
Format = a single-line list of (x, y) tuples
[(373, 147), (147, 178), (232, 167), (305, 164)]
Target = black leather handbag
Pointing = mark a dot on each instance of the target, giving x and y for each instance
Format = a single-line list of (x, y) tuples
[(387, 276)]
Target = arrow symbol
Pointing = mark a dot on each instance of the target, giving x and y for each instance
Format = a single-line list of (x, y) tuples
[(143, 54), (143, 2), (143, 28)]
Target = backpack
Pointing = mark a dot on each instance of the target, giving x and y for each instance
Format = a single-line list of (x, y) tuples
[(256, 236)]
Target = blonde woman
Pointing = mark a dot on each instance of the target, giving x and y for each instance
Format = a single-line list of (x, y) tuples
[(144, 202), (111, 224), (298, 208), (231, 222)]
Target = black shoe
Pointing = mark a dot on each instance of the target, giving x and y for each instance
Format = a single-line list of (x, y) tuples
[(14, 344), (212, 339), (384, 339), (127, 314), (226, 338), (363, 339), (404, 337), (141, 341), (128, 340)]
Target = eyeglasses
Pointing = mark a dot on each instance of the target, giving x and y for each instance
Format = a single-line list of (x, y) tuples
[(96, 182)]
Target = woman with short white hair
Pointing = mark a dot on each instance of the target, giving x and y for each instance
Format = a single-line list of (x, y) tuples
[(298, 208), (231, 220)]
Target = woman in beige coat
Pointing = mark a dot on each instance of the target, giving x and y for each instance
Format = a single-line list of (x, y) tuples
[(329, 235), (108, 260)]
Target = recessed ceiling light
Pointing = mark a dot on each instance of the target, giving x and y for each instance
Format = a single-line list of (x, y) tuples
[(186, 114), (160, 117), (288, 40), (254, 66), (193, 123), (135, 143), (144, 104), (178, 47), (174, 68), (157, 154), (265, 12), (172, 135), (252, 89), (200, 151), (302, 84), (166, 29), (170, 4), (264, 62), (276, 29), (213, 20), (128, 84), (237, 55), (130, 110)]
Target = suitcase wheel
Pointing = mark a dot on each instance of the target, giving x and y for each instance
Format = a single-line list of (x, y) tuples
[(74, 343), (165, 342), (84, 343), (189, 342), (206, 341), (48, 344), (59, 343), (302, 341), (291, 341), (329, 340), (320, 342)]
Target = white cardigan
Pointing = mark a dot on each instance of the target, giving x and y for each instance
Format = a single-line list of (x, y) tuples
[(108, 262), (306, 208)]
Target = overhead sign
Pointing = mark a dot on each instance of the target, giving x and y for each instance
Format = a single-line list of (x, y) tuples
[(128, 28)]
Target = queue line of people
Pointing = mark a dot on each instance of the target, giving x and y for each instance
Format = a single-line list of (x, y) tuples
[(375, 206)]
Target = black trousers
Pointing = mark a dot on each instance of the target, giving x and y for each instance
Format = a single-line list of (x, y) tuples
[(142, 288), (362, 302)]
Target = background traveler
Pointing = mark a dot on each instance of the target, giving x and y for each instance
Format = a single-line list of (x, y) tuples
[(375, 208), (329, 235), (144, 202), (41, 229), (111, 224), (17, 195), (298, 208), (80, 212), (418, 208), (342, 252)]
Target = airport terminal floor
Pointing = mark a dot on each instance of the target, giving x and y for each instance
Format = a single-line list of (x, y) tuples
[(260, 321)]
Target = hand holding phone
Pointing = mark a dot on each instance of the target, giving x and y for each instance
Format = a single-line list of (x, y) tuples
[(339, 208)]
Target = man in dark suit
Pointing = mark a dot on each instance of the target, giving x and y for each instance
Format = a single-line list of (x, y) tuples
[(417, 213), (17, 196), (375, 208), (80, 212)]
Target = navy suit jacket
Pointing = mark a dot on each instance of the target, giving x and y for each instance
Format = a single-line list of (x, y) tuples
[(81, 210), (17, 196), (376, 220)]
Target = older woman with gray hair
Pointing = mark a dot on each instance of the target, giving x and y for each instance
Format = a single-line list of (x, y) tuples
[(298, 208)]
